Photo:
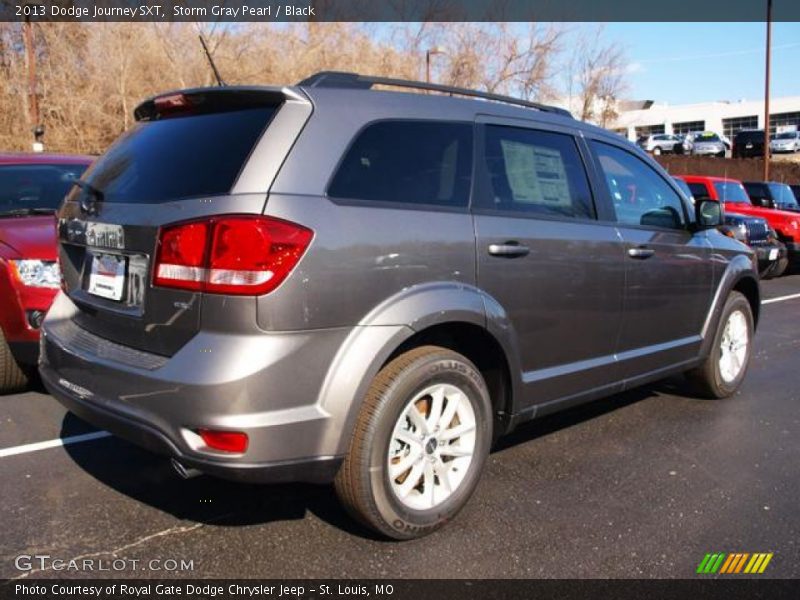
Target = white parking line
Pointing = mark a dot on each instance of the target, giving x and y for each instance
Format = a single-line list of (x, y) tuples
[(75, 439), (781, 298), (96, 435)]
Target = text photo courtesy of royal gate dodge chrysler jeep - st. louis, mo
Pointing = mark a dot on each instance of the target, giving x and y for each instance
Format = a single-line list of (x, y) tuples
[(449, 299)]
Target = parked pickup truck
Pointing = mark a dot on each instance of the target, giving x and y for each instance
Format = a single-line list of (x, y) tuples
[(754, 232), (731, 191)]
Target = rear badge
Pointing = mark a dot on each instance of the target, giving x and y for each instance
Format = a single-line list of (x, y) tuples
[(105, 235), (79, 391)]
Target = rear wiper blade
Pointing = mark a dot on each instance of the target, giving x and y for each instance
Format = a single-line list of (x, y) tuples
[(22, 212), (88, 187), (88, 205)]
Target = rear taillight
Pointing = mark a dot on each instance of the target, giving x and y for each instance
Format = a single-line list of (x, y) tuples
[(238, 255)]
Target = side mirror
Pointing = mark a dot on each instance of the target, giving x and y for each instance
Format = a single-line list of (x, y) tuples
[(708, 214)]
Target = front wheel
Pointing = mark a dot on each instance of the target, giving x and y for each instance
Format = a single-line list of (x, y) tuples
[(419, 445), (12, 377), (724, 368), (778, 268)]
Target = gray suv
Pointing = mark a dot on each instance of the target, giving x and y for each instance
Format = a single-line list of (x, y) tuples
[(332, 283)]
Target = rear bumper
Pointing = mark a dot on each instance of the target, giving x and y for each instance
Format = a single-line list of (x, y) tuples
[(266, 385), (148, 436)]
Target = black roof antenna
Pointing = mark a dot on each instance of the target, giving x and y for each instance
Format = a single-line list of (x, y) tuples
[(211, 61)]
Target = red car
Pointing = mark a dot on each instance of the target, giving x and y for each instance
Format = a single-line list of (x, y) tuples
[(731, 191), (31, 188)]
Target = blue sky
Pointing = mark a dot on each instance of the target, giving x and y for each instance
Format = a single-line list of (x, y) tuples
[(681, 63)]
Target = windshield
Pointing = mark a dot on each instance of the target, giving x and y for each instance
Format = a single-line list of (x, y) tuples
[(731, 192), (787, 135), (707, 137), (782, 194), (35, 187)]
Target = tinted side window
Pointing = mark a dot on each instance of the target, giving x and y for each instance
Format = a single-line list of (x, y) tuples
[(536, 172), (756, 190), (699, 190), (640, 195), (410, 162)]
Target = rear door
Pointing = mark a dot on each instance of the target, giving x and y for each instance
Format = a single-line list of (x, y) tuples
[(669, 277), (180, 162), (554, 268)]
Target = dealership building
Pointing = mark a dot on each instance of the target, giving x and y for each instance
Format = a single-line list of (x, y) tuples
[(640, 118)]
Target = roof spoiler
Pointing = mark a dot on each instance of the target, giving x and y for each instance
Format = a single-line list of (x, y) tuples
[(207, 100)]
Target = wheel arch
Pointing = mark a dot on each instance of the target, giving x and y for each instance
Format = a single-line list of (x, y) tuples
[(449, 314), (739, 276)]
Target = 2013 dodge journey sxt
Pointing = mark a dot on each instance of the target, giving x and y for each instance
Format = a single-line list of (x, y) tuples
[(329, 282)]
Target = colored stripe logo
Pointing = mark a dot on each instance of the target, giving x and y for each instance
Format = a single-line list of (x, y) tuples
[(733, 563)]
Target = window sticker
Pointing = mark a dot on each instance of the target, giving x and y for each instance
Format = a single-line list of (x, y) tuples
[(536, 174)]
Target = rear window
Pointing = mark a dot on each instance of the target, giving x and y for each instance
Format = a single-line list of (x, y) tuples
[(698, 190), (180, 157), (750, 136), (36, 186), (408, 162), (731, 192)]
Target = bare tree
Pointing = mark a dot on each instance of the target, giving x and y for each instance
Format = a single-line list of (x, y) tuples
[(91, 76), (596, 74)]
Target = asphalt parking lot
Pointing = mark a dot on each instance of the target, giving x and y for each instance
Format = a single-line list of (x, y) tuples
[(642, 484)]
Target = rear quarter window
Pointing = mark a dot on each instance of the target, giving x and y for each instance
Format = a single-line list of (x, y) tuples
[(407, 162)]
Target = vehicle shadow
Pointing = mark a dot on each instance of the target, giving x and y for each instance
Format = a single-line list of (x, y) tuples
[(150, 479), (540, 427)]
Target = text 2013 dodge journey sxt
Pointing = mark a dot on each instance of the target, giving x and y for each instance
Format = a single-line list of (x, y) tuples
[(327, 282)]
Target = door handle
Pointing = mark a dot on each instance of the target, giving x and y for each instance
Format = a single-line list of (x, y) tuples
[(641, 253), (508, 250)]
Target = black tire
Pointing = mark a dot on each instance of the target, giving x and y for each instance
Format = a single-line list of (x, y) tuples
[(779, 268), (707, 379), (363, 484), (12, 377)]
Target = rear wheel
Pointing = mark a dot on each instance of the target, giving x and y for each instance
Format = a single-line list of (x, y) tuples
[(722, 372), (12, 377), (419, 445)]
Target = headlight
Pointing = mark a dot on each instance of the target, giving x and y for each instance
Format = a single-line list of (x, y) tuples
[(37, 273)]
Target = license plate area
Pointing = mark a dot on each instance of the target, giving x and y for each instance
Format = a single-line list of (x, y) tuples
[(773, 254), (107, 275)]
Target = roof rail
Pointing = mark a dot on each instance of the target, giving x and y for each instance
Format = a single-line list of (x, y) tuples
[(343, 79)]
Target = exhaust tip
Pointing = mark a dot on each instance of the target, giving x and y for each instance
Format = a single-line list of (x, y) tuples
[(183, 471)]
